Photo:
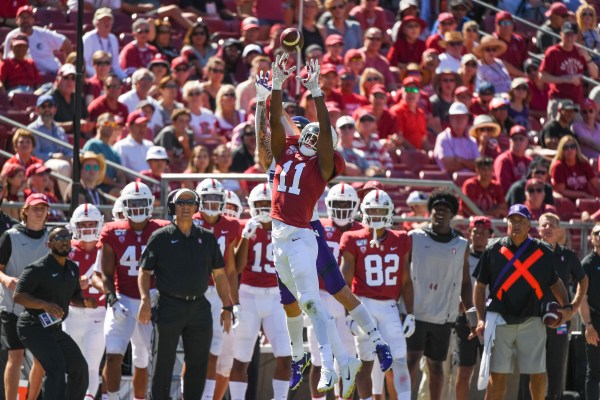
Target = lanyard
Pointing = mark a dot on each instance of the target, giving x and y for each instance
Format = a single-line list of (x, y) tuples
[(109, 46)]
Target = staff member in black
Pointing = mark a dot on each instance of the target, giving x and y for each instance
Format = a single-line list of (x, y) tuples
[(45, 287), (182, 257), (590, 315), (519, 271)]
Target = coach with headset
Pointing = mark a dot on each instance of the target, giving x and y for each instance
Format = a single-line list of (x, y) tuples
[(182, 257)]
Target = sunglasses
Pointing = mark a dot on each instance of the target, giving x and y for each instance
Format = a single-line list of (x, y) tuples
[(367, 119), (63, 237), (189, 202), (471, 30), (171, 86), (229, 94), (522, 87), (587, 14), (471, 64), (102, 62), (194, 94), (348, 77), (339, 6), (411, 90), (448, 22), (373, 79), (589, 111), (486, 129), (46, 105), (596, 233), (181, 69), (69, 78), (375, 38), (569, 147), (505, 23), (89, 168), (142, 31), (356, 59), (448, 80), (347, 126), (540, 172), (114, 86), (199, 33), (455, 44), (490, 49), (535, 190), (217, 71), (108, 123)]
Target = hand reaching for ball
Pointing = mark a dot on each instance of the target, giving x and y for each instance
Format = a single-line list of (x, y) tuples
[(312, 81), (280, 74), (263, 90)]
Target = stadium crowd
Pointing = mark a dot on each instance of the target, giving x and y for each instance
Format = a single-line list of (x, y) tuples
[(442, 90)]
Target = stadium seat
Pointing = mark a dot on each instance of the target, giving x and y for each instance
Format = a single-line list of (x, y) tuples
[(216, 25), (21, 116), (125, 38), (230, 5), (4, 102), (45, 16), (461, 176), (566, 208), (414, 159), (589, 205), (122, 22), (406, 174), (23, 101), (434, 175), (70, 34)]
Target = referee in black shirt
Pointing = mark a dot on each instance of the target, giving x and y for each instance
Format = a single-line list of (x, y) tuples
[(182, 257), (45, 289)]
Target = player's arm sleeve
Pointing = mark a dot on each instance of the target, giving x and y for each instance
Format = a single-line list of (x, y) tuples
[(5, 248)]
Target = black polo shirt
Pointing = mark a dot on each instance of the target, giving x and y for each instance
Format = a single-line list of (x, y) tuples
[(65, 111), (520, 299), (47, 280), (568, 268), (182, 264), (591, 266)]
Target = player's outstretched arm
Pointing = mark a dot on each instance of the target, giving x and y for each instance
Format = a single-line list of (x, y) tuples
[(263, 139), (325, 141), (348, 267), (280, 74)]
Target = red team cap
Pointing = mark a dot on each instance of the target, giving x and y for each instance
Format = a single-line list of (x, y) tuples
[(36, 198), (23, 9), (480, 219)]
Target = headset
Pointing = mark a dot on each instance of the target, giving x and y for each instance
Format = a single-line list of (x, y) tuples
[(171, 202)]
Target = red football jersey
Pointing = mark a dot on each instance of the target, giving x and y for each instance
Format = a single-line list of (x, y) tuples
[(260, 269), (128, 246), (378, 270), (298, 185), (227, 231), (333, 236), (85, 261)]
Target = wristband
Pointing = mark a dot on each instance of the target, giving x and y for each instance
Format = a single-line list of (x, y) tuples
[(228, 308), (588, 323), (111, 299)]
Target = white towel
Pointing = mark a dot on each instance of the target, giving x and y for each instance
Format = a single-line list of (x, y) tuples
[(492, 319)]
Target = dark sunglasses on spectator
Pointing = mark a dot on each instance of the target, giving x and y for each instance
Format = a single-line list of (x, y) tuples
[(535, 190), (63, 237), (89, 167), (490, 49), (229, 94), (46, 105), (471, 64), (356, 59), (114, 86), (193, 94), (347, 126), (181, 69), (571, 146), (588, 111), (217, 71), (471, 29), (455, 44), (367, 119), (587, 14), (522, 87), (411, 90), (486, 129), (102, 62), (348, 77), (376, 38), (505, 22), (140, 30), (540, 172), (451, 22), (340, 6), (373, 79), (69, 77), (171, 86), (188, 202)]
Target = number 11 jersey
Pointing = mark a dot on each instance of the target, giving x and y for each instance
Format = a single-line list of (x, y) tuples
[(298, 185)]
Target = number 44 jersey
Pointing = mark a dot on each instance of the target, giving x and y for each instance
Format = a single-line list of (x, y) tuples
[(298, 185), (377, 270), (128, 246)]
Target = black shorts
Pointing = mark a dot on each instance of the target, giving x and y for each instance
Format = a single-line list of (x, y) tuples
[(8, 333), (432, 339), (467, 349)]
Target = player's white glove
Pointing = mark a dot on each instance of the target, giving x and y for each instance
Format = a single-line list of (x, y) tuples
[(408, 326), (153, 297), (120, 312), (236, 315), (280, 74), (263, 90), (353, 326), (250, 228), (312, 81)]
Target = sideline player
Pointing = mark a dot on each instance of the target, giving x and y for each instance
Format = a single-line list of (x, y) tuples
[(342, 203), (334, 282), (122, 245), (227, 232), (375, 263), (259, 297), (84, 325), (233, 205)]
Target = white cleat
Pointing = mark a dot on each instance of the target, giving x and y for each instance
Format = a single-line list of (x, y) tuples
[(348, 375), (327, 381)]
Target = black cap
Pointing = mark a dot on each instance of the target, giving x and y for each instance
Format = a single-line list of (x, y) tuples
[(568, 27), (530, 62)]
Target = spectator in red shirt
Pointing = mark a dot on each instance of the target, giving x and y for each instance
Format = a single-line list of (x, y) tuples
[(334, 46), (352, 101), (447, 23), (13, 182), (370, 15), (109, 102), (101, 63), (138, 53), (563, 67), (354, 61), (538, 90), (517, 50), (487, 194), (408, 47), (411, 122), (8, 13), (481, 103), (572, 175), (19, 73), (534, 198), (512, 165), (250, 30), (485, 131), (23, 143), (373, 39), (386, 124)]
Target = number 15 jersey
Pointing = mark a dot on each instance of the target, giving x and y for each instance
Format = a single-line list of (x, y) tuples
[(298, 185)]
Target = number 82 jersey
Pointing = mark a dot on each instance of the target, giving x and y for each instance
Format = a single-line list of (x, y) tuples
[(298, 185), (377, 270)]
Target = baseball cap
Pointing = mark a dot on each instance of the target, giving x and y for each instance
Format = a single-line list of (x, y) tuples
[(183, 191), (103, 12), (445, 16), (159, 59), (19, 39), (138, 23), (519, 209), (416, 197), (334, 39), (455, 3), (36, 169), (378, 88), (344, 120), (11, 169), (136, 117), (503, 15), (37, 198), (487, 88), (557, 8), (468, 57), (569, 27), (406, 4), (157, 153), (177, 61), (44, 98), (518, 82), (498, 102), (412, 18), (480, 219), (461, 90), (588, 104), (327, 68), (411, 80), (363, 112), (458, 108), (23, 9), (67, 69), (517, 130), (252, 48), (353, 53), (249, 23), (567, 104)]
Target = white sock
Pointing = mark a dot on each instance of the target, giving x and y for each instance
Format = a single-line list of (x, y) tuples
[(139, 398), (361, 315), (368, 398), (181, 384), (326, 357), (280, 390), (401, 378), (105, 396), (237, 390), (295, 326), (113, 396), (339, 351), (209, 389)]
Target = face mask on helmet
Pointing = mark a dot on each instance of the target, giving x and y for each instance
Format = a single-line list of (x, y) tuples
[(342, 212), (212, 204), (260, 203), (377, 209), (233, 205), (86, 223), (309, 136), (137, 210)]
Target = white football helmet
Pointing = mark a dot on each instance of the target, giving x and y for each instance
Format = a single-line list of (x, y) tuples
[(138, 202), (342, 204), (82, 214), (261, 193), (308, 139), (212, 197), (118, 210), (233, 205), (377, 200)]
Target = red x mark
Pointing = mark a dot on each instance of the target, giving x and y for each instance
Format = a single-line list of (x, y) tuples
[(521, 270)]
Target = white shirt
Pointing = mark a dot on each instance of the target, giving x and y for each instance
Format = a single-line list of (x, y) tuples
[(42, 45), (203, 125), (114, 4), (447, 62), (131, 100), (132, 153), (92, 42)]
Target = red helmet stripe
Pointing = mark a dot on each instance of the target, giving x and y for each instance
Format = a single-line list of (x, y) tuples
[(85, 209), (377, 195), (343, 189)]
